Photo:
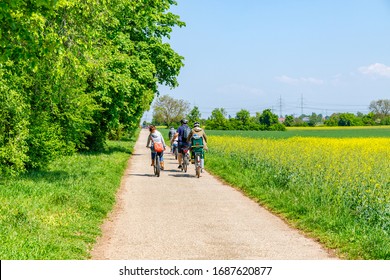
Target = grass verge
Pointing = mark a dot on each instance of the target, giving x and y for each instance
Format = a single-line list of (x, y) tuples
[(56, 213)]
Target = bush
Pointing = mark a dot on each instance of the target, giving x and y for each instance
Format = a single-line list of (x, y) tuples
[(13, 130), (386, 121), (45, 143), (277, 127)]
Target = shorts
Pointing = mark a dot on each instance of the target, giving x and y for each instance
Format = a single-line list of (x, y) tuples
[(181, 145)]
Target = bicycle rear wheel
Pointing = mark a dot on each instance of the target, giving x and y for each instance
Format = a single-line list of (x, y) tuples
[(197, 166), (157, 166), (175, 152), (185, 162)]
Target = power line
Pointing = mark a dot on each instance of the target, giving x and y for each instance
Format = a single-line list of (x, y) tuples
[(280, 107)]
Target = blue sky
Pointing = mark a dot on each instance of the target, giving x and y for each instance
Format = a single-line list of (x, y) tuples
[(320, 56)]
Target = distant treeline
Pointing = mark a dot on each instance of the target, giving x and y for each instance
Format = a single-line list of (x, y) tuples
[(270, 121), (73, 73), (244, 121), (379, 115), (267, 120)]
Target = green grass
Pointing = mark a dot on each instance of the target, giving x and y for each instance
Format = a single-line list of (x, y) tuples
[(57, 213), (332, 132)]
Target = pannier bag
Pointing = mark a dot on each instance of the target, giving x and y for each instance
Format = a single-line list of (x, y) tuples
[(196, 141), (158, 147)]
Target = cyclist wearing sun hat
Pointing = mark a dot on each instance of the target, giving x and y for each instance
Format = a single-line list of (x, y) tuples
[(200, 132), (197, 132)]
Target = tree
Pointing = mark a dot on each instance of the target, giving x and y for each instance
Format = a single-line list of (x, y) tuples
[(380, 107), (314, 119), (73, 71), (194, 116), (289, 120), (168, 110), (368, 119), (217, 120), (242, 120), (346, 119), (349, 119), (268, 118), (333, 120), (134, 58)]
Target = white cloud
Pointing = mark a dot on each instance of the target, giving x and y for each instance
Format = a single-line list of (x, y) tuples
[(298, 81), (376, 69)]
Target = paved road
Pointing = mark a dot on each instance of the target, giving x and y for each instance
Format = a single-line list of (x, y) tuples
[(178, 216)]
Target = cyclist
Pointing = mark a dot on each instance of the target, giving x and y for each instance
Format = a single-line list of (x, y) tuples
[(174, 143), (182, 133), (171, 133), (200, 132), (155, 137)]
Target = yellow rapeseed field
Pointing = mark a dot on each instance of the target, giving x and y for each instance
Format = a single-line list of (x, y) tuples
[(353, 173)]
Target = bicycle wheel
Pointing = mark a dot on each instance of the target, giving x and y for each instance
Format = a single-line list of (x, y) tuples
[(197, 166), (185, 162), (157, 166)]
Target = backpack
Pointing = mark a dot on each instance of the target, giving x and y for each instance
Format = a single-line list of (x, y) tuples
[(186, 132), (197, 141)]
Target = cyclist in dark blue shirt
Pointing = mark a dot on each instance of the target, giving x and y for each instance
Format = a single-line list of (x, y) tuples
[(182, 132)]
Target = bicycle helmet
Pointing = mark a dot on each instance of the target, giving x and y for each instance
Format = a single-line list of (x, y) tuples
[(184, 121), (196, 124)]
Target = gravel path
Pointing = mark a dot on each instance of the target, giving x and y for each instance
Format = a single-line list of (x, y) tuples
[(178, 216)]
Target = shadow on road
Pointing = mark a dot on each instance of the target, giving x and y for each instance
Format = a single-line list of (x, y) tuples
[(173, 170), (142, 175), (182, 175)]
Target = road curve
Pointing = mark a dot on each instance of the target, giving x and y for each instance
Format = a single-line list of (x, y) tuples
[(178, 216)]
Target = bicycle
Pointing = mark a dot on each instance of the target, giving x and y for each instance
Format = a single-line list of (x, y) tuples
[(157, 166), (175, 149), (186, 158), (156, 162), (198, 154), (198, 161)]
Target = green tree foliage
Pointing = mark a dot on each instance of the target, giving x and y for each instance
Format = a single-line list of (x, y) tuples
[(194, 116), (168, 110), (344, 119), (73, 71), (243, 121), (218, 120), (333, 120), (289, 120), (368, 119), (315, 119), (267, 118), (13, 128)]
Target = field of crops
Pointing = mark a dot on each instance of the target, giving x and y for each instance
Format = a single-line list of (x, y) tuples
[(333, 132), (336, 189)]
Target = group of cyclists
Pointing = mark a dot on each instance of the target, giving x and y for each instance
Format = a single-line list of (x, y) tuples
[(180, 139)]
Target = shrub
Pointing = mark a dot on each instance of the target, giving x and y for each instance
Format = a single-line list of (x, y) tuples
[(13, 129)]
